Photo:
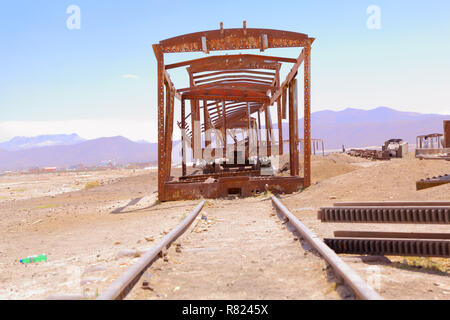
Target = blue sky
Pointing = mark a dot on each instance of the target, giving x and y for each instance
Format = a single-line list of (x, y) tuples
[(100, 80)]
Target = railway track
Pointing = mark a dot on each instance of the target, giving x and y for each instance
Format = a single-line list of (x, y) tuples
[(121, 287)]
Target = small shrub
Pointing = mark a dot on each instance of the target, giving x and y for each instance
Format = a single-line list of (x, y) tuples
[(91, 184)]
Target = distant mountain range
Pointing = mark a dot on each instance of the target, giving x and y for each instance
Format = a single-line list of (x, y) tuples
[(23, 143), (349, 127), (362, 128), (91, 152)]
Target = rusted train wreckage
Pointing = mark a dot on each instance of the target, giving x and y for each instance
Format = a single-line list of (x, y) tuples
[(434, 146), (227, 93)]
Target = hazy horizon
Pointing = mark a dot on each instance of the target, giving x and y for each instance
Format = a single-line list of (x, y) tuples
[(135, 130)]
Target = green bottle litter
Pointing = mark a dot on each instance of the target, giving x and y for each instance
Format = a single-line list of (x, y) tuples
[(39, 258)]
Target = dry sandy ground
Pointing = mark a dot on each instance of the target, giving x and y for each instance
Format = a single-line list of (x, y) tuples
[(92, 236)]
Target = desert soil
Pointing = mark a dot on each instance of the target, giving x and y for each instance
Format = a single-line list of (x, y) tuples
[(243, 251)]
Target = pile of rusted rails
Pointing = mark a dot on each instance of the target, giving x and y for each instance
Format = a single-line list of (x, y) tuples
[(361, 289), (389, 243), (119, 289), (369, 154)]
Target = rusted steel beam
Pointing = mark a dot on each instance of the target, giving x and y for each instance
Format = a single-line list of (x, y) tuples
[(393, 214), (161, 130), (447, 133), (170, 97), (232, 85), (244, 97), (293, 131), (206, 120), (230, 60), (122, 286), (183, 142), (362, 289), (391, 235), (280, 127), (391, 247), (307, 116), (432, 182), (234, 39), (268, 131), (239, 77), (284, 102), (234, 71), (393, 203)]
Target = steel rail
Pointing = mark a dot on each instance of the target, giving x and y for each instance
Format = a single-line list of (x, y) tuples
[(360, 287), (391, 235), (123, 285), (393, 204), (391, 247), (386, 214)]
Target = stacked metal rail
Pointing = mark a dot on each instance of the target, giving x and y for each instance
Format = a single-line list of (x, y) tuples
[(389, 243)]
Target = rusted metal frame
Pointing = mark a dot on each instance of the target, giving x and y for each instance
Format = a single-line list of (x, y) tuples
[(170, 97), (233, 71), (240, 77), (236, 65), (284, 102), (249, 83), (234, 39), (307, 116), (229, 94), (293, 135), (123, 285), (183, 143), (280, 127), (258, 134), (391, 235), (161, 130), (230, 117), (207, 128), (447, 133), (220, 97), (224, 127), (192, 104), (362, 289), (231, 109), (392, 247), (196, 131), (231, 85), (268, 131), (386, 214), (229, 58)]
